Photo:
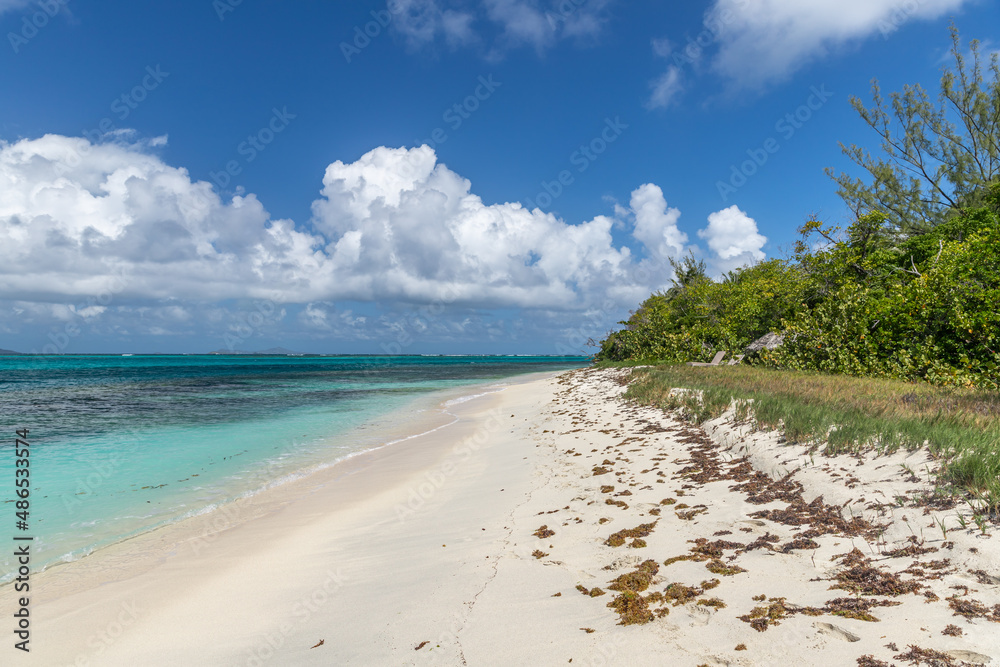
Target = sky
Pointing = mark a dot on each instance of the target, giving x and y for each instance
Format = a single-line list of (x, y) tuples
[(419, 176)]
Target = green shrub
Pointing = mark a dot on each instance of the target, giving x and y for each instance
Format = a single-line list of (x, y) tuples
[(939, 325)]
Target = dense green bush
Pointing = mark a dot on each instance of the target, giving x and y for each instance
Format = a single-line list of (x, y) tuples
[(863, 301), (698, 316), (929, 312)]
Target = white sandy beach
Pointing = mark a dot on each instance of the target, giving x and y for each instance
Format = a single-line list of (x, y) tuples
[(422, 553)]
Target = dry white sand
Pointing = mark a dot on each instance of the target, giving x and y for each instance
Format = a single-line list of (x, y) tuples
[(429, 544)]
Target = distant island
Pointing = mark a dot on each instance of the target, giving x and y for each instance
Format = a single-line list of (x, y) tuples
[(271, 351), (7, 353)]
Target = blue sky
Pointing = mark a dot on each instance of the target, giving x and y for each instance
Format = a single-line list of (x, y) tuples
[(190, 176)]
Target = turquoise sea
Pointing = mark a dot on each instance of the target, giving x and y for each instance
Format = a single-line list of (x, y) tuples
[(122, 444)]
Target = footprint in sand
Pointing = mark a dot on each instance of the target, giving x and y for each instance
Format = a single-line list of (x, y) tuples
[(834, 631), (700, 616), (716, 661)]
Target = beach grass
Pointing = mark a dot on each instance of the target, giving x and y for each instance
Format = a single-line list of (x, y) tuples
[(839, 413)]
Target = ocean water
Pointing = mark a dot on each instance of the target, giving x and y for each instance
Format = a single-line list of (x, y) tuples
[(121, 445)]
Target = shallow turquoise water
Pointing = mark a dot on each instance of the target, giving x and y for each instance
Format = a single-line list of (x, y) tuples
[(120, 445)]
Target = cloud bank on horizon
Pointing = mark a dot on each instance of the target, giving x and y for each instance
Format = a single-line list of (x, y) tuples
[(396, 225)]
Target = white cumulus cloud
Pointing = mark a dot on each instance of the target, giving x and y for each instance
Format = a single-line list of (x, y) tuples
[(74, 215), (82, 221), (767, 40), (656, 223), (77, 219), (411, 229), (733, 238)]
